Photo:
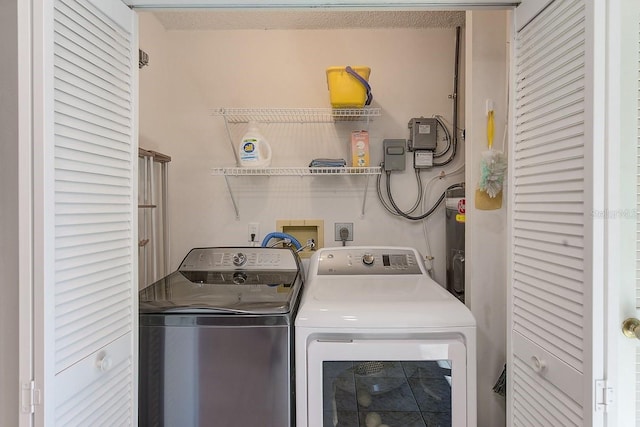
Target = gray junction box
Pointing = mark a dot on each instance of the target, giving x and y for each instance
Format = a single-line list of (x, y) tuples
[(423, 134), (394, 154)]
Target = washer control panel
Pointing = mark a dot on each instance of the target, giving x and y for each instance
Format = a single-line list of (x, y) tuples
[(245, 258), (363, 261)]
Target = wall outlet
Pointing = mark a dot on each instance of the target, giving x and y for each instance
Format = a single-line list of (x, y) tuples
[(253, 230), (339, 226)]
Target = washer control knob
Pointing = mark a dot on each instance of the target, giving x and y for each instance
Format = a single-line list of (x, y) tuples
[(239, 278), (367, 258), (239, 259)]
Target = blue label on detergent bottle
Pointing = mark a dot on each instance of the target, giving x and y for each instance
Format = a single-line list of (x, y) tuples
[(248, 150)]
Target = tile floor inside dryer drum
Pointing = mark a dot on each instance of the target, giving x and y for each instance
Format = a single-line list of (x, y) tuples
[(392, 393)]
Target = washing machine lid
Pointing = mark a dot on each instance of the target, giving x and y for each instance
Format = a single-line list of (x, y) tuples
[(228, 281)]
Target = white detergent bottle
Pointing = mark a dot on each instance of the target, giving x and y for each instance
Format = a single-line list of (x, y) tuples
[(254, 150)]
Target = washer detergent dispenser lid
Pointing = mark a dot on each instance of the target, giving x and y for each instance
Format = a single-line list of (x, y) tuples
[(233, 280)]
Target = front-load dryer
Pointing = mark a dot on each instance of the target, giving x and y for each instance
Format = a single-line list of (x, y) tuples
[(379, 343)]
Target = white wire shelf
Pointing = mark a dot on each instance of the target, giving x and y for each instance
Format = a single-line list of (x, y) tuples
[(365, 173), (296, 171), (296, 115)]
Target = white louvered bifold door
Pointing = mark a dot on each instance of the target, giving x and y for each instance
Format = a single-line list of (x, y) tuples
[(93, 313), (551, 237)]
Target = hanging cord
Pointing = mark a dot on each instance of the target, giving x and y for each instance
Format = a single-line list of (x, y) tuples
[(447, 136), (425, 198), (448, 123), (384, 202), (426, 214), (454, 149)]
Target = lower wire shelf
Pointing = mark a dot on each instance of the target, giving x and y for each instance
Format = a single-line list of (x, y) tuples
[(295, 171)]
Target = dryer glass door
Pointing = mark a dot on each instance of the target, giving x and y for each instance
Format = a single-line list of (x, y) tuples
[(387, 382)]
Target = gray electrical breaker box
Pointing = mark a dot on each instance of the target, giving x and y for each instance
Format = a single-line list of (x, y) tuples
[(423, 134), (394, 154)]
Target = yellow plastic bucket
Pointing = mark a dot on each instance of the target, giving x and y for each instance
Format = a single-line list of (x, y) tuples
[(347, 90)]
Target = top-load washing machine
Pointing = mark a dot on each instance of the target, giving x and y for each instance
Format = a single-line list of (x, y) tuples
[(216, 340), (379, 343)]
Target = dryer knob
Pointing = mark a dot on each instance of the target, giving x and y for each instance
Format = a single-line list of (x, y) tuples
[(239, 259), (367, 259)]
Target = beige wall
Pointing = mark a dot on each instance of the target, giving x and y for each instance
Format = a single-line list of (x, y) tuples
[(191, 73), (485, 244), (412, 74), (9, 214)]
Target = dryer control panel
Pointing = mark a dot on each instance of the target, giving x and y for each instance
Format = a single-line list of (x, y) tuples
[(367, 261)]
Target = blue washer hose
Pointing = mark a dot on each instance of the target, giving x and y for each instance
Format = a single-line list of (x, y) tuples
[(279, 235)]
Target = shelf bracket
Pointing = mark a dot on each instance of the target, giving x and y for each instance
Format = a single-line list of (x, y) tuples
[(233, 147), (364, 199), (233, 200)]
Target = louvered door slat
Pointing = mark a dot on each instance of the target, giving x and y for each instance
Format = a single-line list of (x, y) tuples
[(561, 288), (78, 156), (110, 278), (67, 119), (73, 225), (554, 227), (572, 186), (543, 408), (536, 328), (78, 287), (83, 220), (555, 62), (524, 198), (559, 238), (551, 24), (91, 188), (574, 174), (536, 156), (91, 178), (93, 36), (77, 99), (539, 106), (69, 75), (555, 268), (98, 398), (102, 241), (70, 136), (540, 304), (92, 118), (90, 98), (546, 88), (548, 218)]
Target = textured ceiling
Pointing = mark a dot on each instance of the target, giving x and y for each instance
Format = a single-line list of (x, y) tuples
[(312, 19)]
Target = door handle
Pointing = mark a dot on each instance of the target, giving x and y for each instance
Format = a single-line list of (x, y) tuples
[(631, 328)]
